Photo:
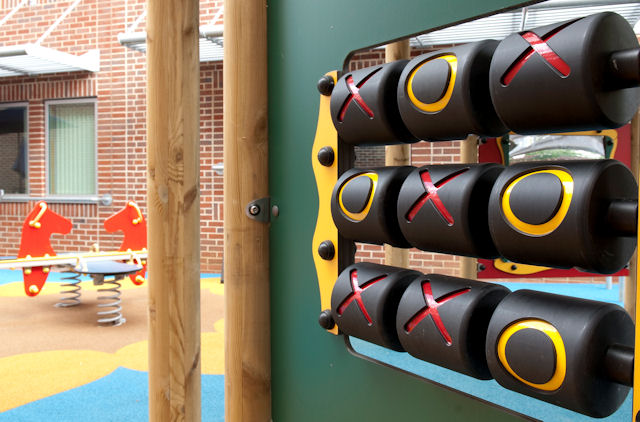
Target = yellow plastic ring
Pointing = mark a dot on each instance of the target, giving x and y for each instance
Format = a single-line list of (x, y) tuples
[(561, 356)]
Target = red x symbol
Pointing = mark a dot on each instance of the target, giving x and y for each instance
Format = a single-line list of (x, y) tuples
[(432, 194), (356, 294), (354, 94), (432, 310), (540, 46)]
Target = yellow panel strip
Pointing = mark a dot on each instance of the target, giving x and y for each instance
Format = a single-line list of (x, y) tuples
[(326, 178), (636, 356)]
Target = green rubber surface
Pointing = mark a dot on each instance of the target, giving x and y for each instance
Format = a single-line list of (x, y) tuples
[(314, 377)]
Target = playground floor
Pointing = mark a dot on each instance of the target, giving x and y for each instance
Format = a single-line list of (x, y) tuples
[(58, 365)]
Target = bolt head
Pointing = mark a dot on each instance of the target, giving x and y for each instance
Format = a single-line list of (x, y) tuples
[(325, 85), (254, 210), (326, 156), (326, 250), (326, 320)]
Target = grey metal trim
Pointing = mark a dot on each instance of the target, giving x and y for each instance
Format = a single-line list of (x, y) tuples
[(105, 199)]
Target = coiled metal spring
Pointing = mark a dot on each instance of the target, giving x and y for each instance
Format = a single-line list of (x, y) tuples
[(71, 296), (113, 316)]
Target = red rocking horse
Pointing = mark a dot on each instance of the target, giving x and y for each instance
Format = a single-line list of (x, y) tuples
[(36, 230), (131, 221)]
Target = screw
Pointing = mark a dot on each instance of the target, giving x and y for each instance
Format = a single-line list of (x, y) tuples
[(254, 210), (325, 85), (326, 156), (326, 250), (326, 320), (481, 267)]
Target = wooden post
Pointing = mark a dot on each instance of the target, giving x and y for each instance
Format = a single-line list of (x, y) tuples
[(397, 155), (173, 164), (246, 249), (469, 154), (631, 283)]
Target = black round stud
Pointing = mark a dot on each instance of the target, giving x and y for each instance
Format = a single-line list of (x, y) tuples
[(326, 250), (325, 85), (326, 320), (326, 156)]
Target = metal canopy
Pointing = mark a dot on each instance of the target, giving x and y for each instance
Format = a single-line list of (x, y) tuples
[(33, 59), (211, 37), (503, 24), (211, 42), (496, 26)]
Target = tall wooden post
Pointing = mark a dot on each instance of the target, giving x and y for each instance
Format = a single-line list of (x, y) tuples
[(246, 249), (173, 164), (397, 155), (469, 154), (631, 285)]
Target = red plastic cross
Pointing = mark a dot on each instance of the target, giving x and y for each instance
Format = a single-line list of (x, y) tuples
[(540, 46), (432, 194), (354, 94), (432, 310), (356, 294)]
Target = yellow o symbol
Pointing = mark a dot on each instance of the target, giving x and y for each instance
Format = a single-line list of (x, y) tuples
[(441, 103), (359, 216), (561, 355), (548, 226)]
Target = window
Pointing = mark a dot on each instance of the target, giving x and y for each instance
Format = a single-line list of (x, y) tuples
[(14, 144), (71, 135)]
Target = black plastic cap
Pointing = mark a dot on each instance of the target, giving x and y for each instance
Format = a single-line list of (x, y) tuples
[(326, 320), (326, 156), (325, 85), (326, 250)]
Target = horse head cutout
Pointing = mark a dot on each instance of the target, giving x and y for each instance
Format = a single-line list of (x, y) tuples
[(132, 223), (40, 223)]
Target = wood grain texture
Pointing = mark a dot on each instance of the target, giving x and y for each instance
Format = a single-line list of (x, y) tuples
[(174, 210), (397, 155), (469, 154), (246, 250)]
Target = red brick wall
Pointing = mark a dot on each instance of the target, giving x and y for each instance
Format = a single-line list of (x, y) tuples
[(119, 88)]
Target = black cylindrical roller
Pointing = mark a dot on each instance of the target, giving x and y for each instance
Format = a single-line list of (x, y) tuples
[(444, 320), (444, 94), (555, 348), (567, 76), (364, 106), (363, 205), (365, 299), (443, 208), (556, 214)]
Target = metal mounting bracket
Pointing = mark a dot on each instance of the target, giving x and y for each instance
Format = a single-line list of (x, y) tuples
[(259, 209)]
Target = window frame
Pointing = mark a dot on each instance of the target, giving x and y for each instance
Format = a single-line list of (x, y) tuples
[(19, 196), (81, 100)]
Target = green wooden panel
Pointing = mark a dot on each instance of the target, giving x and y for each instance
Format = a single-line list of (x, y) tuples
[(314, 378)]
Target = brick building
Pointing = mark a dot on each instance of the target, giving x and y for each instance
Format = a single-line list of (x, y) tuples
[(87, 170), (76, 134)]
